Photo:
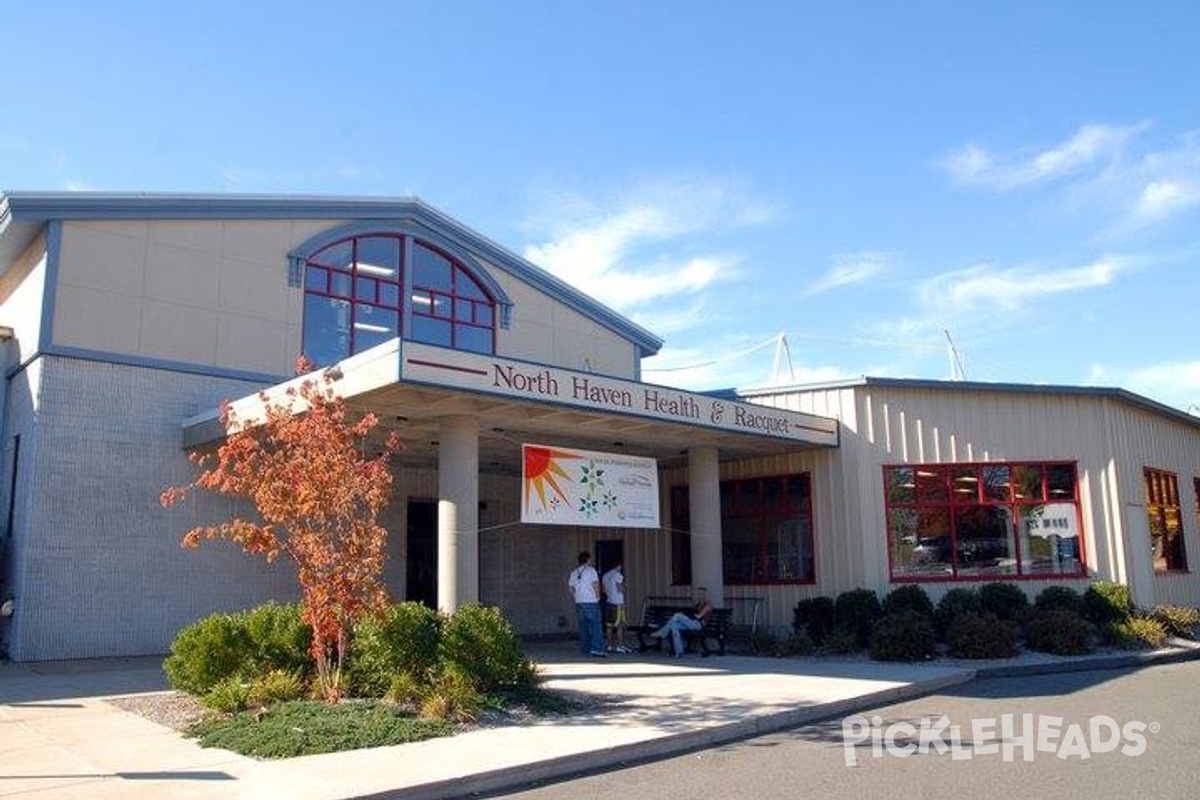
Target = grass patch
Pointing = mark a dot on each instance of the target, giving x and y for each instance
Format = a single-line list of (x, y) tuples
[(307, 727)]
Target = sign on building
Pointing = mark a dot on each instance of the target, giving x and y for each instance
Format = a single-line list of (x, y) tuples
[(564, 486)]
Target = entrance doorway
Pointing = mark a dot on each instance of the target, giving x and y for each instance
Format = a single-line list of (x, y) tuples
[(421, 552), (608, 553)]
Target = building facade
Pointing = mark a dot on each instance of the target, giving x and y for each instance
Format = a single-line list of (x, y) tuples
[(128, 319)]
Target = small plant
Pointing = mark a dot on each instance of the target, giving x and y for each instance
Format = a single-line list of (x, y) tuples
[(479, 643), (815, 616), (1006, 600), (903, 636), (277, 686), (910, 597), (1106, 603), (955, 603), (229, 696), (857, 611), (1178, 621), (792, 643), (1059, 631), (980, 636), (1138, 633), (451, 696), (406, 690), (403, 638), (1059, 597)]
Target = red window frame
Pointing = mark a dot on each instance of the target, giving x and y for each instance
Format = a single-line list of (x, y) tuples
[(463, 310), (1162, 509), (952, 491)]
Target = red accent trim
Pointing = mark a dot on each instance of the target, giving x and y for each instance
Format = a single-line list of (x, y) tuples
[(450, 367)]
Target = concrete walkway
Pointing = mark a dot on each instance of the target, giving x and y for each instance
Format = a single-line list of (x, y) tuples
[(59, 738)]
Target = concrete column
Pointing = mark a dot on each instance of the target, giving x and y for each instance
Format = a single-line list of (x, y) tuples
[(704, 508), (458, 513)]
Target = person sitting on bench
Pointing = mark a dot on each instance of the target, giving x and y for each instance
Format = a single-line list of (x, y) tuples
[(680, 621)]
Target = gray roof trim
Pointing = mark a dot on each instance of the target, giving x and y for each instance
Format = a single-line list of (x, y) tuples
[(23, 213), (1110, 392)]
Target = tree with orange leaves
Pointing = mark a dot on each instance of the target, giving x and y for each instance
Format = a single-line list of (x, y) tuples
[(302, 461)]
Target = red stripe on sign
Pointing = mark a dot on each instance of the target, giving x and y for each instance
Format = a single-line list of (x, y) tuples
[(451, 367)]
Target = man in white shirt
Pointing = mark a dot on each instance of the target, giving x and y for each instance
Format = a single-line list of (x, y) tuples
[(614, 608), (585, 588)]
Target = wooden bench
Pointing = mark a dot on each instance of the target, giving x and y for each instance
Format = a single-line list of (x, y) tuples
[(711, 638)]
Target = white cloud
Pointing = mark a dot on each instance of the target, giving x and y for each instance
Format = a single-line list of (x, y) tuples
[(1162, 198), (646, 245), (987, 285), (1091, 145), (850, 269)]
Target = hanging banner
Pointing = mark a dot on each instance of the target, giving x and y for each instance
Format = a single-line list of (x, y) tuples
[(564, 486)]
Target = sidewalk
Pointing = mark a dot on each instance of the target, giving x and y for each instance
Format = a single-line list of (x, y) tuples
[(59, 738)]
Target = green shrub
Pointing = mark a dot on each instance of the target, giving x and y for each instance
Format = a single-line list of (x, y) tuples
[(910, 597), (243, 645), (479, 643), (277, 686), (957, 602), (841, 641), (857, 611), (815, 616), (904, 635), (207, 652), (1106, 603), (1006, 600), (1059, 631), (228, 695), (980, 636), (1179, 621), (280, 638), (1059, 597), (1137, 633), (793, 643), (402, 639), (406, 689)]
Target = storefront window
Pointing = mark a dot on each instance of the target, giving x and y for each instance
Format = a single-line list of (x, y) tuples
[(766, 531), (1166, 521), (982, 521)]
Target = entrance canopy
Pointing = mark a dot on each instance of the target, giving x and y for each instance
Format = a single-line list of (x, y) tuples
[(411, 387)]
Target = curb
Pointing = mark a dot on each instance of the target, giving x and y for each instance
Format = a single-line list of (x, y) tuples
[(671, 745), (1086, 663)]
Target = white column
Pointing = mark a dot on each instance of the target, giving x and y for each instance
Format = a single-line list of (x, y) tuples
[(704, 508), (458, 513)]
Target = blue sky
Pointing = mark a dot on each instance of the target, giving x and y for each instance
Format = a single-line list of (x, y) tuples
[(867, 179)]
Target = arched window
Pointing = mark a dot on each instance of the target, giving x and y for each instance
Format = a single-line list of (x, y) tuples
[(355, 298)]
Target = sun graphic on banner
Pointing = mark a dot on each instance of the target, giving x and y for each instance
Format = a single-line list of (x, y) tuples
[(542, 464)]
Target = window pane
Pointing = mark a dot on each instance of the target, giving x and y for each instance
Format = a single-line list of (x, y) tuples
[(964, 485), (379, 256), (799, 494), (789, 549), (772, 493), (920, 542), (465, 286), (389, 295), (901, 485), (997, 483), (422, 302), (338, 256), (984, 539), (340, 284), (326, 329), (441, 306), (1027, 482), (739, 550), (1060, 481), (483, 315), (372, 326), (462, 311), (931, 485), (477, 340), (316, 279), (1049, 538), (364, 289), (431, 270), (432, 331)]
